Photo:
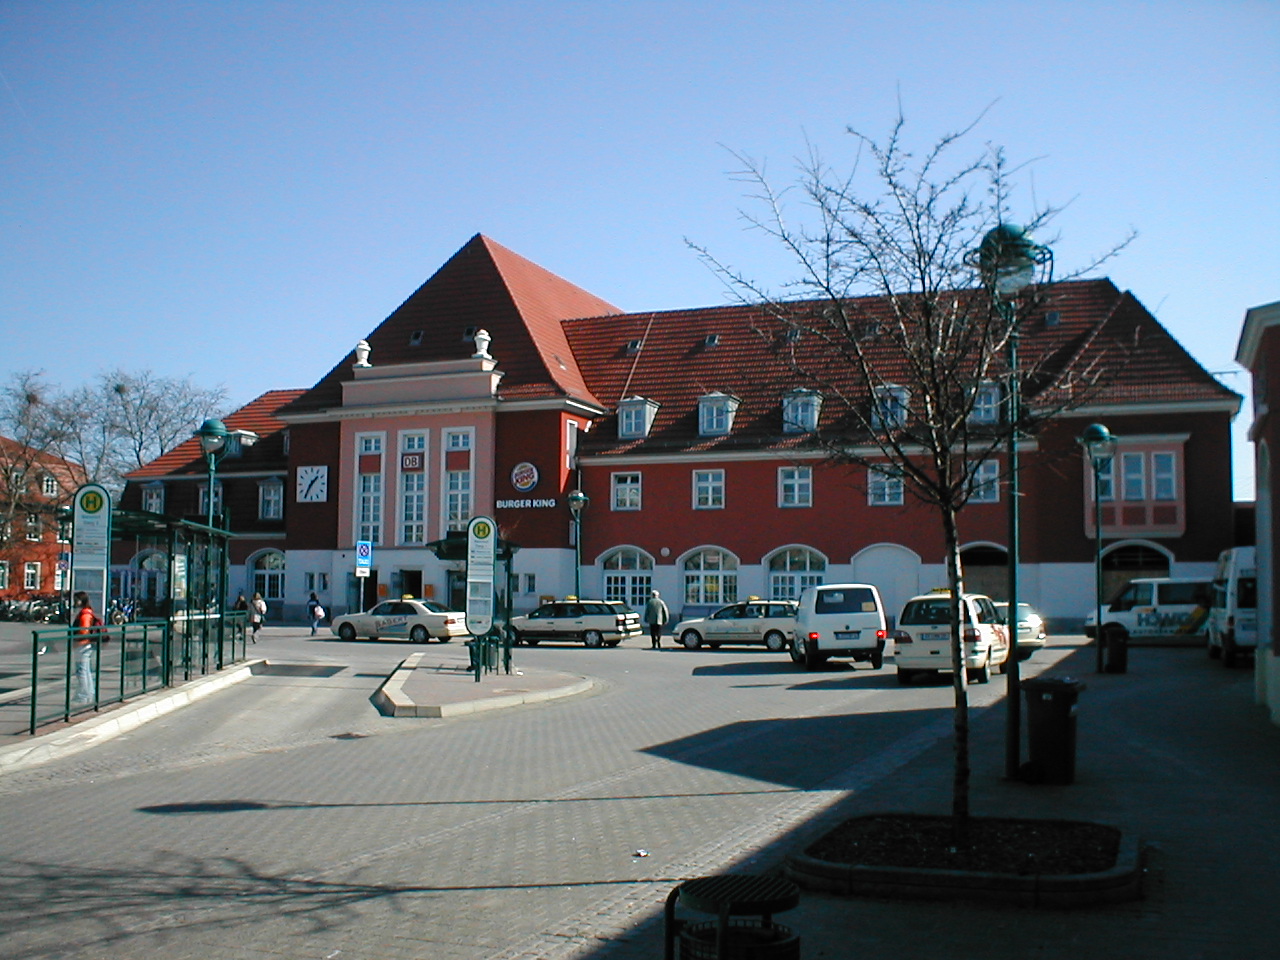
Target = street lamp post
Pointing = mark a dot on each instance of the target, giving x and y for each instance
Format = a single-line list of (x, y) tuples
[(1007, 260), (577, 503), (214, 436), (1100, 447)]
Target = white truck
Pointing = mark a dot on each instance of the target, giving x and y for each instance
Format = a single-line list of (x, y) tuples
[(1233, 618), (1156, 607)]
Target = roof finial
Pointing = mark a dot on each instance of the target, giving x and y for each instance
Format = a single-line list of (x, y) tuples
[(362, 354), (483, 339)]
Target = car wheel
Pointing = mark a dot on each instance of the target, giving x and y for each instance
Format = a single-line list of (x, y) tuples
[(714, 646), (1004, 665), (529, 641), (691, 640), (593, 638), (613, 643), (1215, 651), (905, 677), (419, 634), (877, 658), (796, 651), (813, 658), (775, 641), (347, 632), (1228, 652), (981, 674)]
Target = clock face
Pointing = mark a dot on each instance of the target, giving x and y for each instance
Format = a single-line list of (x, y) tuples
[(313, 484)]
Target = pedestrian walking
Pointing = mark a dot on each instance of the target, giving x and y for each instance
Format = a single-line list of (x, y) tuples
[(316, 612), (87, 636), (656, 616), (257, 613)]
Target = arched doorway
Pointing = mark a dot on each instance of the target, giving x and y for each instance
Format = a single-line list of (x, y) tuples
[(1129, 561), (792, 569), (986, 570), (628, 576)]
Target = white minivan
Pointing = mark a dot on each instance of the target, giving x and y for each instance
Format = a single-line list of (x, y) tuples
[(1233, 618), (1156, 607), (839, 620)]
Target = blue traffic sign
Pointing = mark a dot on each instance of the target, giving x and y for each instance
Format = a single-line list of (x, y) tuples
[(364, 553)]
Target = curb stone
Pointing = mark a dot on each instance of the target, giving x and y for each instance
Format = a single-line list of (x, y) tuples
[(1121, 883)]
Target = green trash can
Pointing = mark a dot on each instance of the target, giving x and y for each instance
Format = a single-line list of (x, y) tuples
[(1051, 729)]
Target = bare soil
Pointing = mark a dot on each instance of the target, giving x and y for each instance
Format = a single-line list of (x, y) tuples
[(988, 844)]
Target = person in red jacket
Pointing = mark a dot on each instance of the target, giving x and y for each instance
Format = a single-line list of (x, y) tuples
[(87, 635)]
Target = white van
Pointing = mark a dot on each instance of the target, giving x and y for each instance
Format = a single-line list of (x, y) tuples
[(1157, 607), (839, 620), (1233, 618)]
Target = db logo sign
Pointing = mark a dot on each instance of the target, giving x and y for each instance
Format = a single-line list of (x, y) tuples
[(524, 477)]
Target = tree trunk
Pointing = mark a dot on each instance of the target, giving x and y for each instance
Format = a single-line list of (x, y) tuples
[(955, 581)]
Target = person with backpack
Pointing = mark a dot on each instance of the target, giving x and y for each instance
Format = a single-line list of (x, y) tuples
[(316, 612), (257, 613), (87, 637)]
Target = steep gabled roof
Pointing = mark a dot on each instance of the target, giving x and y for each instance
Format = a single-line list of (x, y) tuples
[(1086, 325), (259, 416), (482, 286)]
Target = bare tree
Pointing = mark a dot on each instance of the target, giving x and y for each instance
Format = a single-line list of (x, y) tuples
[(118, 423), (886, 322), (31, 438)]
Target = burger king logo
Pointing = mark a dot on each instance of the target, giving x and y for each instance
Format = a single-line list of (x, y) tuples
[(524, 477)]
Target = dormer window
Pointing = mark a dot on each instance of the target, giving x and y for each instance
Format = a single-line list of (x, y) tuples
[(633, 347), (986, 404), (635, 417), (715, 414), (800, 410), (153, 497), (889, 408)]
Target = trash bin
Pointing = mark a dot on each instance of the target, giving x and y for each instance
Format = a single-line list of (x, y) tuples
[(1051, 729), (1116, 651)]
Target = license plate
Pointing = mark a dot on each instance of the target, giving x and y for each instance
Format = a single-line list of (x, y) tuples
[(934, 637), (848, 635)]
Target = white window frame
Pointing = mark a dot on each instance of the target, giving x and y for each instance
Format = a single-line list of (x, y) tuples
[(884, 489), (31, 575), (269, 580), (708, 490), (795, 486), (715, 414), (710, 577), (889, 407), (986, 483), (35, 529), (4, 574), (369, 488), (1164, 475), (571, 430), (635, 417), (412, 498), (800, 411), (49, 485), (628, 576), (1106, 479), (217, 498), (987, 401), (153, 497), (1133, 476), (792, 570), (271, 499), (627, 490)]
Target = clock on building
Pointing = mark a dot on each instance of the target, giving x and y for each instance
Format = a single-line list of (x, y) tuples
[(313, 484)]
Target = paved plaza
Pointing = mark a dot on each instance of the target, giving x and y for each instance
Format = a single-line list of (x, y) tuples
[(284, 816)]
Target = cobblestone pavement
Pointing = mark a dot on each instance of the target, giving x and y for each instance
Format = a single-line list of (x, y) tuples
[(284, 817)]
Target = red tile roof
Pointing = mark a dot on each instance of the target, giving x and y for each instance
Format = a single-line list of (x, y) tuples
[(259, 416), (1086, 325), (483, 286)]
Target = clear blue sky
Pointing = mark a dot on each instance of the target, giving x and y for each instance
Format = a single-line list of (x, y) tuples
[(238, 191)]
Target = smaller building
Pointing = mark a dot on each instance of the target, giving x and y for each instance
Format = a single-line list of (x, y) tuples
[(1259, 353), (248, 499), (34, 537)]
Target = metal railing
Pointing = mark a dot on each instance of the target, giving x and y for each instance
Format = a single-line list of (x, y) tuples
[(75, 672)]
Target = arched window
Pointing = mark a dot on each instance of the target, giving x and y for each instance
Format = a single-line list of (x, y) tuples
[(628, 576), (793, 569), (268, 575), (710, 578)]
